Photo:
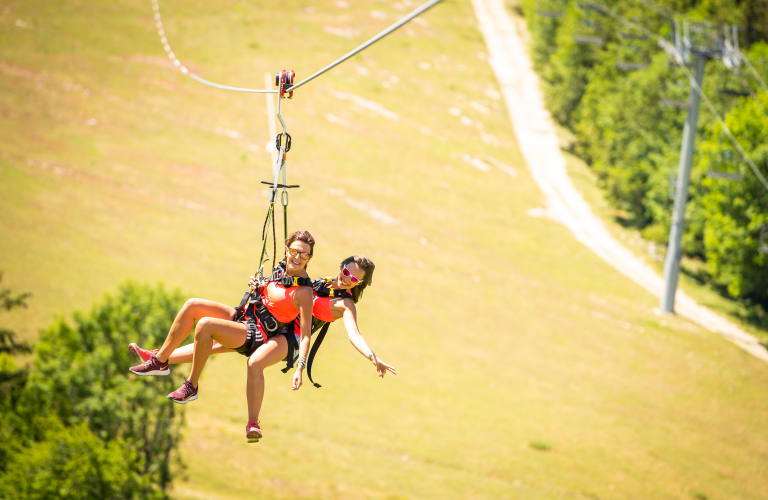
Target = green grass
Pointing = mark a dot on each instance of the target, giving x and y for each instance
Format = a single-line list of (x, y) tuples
[(653, 255), (504, 330)]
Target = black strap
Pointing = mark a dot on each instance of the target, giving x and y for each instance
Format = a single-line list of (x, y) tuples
[(278, 276), (240, 310), (291, 338), (315, 347), (321, 287)]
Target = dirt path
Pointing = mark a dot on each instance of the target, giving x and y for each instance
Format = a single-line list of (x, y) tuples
[(535, 132)]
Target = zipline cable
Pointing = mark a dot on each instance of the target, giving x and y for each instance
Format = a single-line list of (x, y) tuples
[(177, 63), (664, 43), (186, 71), (370, 42)]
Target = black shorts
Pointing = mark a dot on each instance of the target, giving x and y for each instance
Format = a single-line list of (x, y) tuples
[(255, 338)]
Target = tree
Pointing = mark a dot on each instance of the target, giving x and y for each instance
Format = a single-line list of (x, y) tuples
[(87, 428), (12, 378), (736, 211)]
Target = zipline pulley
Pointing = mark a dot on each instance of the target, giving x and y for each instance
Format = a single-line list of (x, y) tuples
[(284, 81)]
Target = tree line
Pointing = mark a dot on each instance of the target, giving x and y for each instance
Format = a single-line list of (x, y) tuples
[(620, 95), (73, 424)]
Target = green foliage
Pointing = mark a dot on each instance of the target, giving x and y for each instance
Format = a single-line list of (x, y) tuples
[(735, 212), (83, 428), (632, 141), (70, 464), (540, 445), (12, 378)]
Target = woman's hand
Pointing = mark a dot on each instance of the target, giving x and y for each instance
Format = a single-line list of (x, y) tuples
[(253, 284), (296, 379), (382, 367)]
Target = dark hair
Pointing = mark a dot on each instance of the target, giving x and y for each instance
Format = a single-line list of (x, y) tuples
[(366, 265), (301, 236)]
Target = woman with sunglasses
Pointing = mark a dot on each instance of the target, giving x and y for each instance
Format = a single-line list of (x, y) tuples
[(258, 337), (335, 298), (356, 273)]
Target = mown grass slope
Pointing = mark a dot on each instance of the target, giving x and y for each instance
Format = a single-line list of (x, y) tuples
[(528, 368)]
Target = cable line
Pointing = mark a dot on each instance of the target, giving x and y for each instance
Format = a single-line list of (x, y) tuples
[(370, 42), (284, 81), (670, 48), (754, 73), (186, 71), (177, 63)]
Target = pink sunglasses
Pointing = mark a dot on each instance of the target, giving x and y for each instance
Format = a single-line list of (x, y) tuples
[(346, 273)]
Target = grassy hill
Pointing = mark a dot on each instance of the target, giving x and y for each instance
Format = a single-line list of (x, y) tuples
[(528, 368)]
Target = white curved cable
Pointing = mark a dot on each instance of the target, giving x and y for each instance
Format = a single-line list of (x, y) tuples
[(183, 69), (177, 63)]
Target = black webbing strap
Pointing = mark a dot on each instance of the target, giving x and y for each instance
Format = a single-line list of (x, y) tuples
[(291, 338), (321, 287), (280, 277), (315, 347)]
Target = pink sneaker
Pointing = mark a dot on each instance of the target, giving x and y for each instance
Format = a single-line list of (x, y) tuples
[(184, 394), (253, 431), (141, 355), (152, 366)]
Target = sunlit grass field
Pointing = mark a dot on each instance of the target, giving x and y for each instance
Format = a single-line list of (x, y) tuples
[(527, 367)]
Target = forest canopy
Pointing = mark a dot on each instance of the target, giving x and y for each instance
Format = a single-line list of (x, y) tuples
[(607, 80), (75, 425)]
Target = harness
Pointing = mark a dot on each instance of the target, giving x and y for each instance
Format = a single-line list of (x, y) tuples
[(321, 287), (279, 276), (253, 312)]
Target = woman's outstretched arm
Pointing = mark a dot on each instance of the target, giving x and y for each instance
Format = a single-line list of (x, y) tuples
[(349, 316)]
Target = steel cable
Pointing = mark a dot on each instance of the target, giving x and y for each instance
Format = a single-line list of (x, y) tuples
[(186, 71), (183, 69), (664, 43)]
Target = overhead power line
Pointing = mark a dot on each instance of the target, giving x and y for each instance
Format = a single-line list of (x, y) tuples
[(679, 59)]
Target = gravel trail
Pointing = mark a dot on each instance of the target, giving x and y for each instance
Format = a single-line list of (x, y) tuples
[(540, 147)]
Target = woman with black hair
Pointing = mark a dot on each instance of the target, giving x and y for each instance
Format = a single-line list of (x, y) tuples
[(335, 298)]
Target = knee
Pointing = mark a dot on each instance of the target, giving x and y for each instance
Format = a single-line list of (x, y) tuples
[(255, 366), (190, 305), (202, 329)]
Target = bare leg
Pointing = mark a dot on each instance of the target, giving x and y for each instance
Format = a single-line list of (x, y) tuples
[(192, 310), (227, 333), (183, 354), (269, 354)]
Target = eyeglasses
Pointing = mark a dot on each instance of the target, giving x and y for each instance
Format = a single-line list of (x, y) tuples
[(346, 273), (302, 255)]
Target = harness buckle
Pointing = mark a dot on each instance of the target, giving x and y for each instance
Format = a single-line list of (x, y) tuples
[(287, 281), (270, 323)]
